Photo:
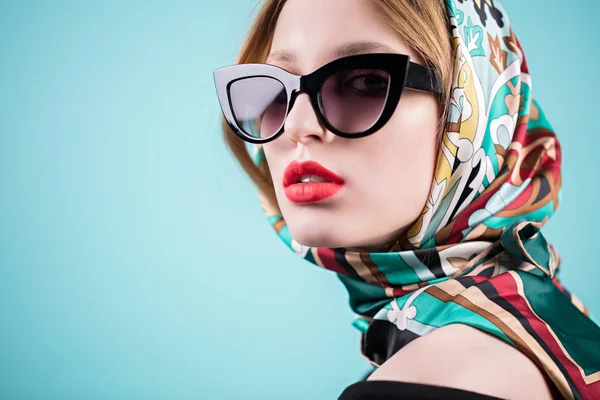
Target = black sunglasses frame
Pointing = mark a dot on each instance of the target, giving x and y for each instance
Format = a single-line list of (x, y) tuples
[(403, 73)]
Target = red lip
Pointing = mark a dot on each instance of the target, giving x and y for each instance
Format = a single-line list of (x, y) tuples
[(309, 192)]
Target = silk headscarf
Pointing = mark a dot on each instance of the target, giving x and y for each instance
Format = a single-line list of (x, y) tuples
[(476, 255)]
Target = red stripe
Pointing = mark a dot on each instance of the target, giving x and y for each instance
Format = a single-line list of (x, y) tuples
[(479, 279), (327, 257), (558, 285), (399, 292), (521, 199), (507, 289), (524, 66), (462, 220)]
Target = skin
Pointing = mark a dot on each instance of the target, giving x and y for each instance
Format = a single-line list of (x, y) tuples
[(388, 177), (367, 212), (490, 366)]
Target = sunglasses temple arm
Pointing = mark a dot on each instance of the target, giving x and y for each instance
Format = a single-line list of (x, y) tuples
[(423, 79)]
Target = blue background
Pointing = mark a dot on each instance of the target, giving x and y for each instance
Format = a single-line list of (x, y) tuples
[(135, 261)]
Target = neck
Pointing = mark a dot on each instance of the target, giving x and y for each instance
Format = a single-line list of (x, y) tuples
[(381, 246), (376, 248)]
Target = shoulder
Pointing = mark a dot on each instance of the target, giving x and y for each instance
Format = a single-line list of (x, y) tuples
[(467, 358)]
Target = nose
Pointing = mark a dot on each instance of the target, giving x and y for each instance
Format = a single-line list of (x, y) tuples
[(302, 124)]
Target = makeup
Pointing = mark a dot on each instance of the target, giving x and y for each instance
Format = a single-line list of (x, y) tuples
[(309, 181)]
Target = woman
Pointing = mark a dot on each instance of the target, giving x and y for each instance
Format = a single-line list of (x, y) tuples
[(413, 161)]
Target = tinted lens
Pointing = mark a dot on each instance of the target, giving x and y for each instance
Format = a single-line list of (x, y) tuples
[(352, 100), (259, 105)]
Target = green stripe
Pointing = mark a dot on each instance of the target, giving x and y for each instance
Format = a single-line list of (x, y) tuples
[(536, 216), (364, 298), (578, 334), (434, 312), (395, 269)]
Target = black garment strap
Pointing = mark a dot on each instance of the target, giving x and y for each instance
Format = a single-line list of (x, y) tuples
[(393, 390)]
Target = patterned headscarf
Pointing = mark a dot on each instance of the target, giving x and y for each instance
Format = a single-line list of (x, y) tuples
[(476, 255)]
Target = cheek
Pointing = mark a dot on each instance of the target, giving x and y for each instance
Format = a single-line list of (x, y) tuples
[(415, 124), (397, 163), (278, 153), (407, 143)]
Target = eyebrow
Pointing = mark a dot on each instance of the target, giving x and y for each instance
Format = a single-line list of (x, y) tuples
[(347, 49)]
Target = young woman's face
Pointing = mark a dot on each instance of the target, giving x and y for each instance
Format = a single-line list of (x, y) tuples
[(386, 175)]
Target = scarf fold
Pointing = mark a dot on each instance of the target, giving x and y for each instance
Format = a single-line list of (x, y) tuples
[(476, 254)]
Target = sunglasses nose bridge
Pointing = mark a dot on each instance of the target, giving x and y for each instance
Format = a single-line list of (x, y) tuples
[(310, 121), (310, 85), (298, 85)]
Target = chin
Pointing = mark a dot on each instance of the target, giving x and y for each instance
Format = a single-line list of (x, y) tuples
[(317, 242), (310, 234), (314, 235), (308, 230)]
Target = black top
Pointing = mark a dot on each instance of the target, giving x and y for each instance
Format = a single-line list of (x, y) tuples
[(393, 390)]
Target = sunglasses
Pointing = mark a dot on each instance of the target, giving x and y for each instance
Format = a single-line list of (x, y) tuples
[(352, 96)]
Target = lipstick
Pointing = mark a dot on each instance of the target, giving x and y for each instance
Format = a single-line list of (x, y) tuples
[(318, 183)]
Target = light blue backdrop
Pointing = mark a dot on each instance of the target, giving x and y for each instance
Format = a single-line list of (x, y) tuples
[(135, 261)]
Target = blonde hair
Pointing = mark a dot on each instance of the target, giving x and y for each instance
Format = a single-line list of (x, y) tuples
[(422, 24)]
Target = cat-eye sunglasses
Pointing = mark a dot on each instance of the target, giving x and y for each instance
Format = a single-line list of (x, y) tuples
[(352, 96)]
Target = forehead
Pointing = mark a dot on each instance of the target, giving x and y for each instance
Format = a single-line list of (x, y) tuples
[(310, 33)]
